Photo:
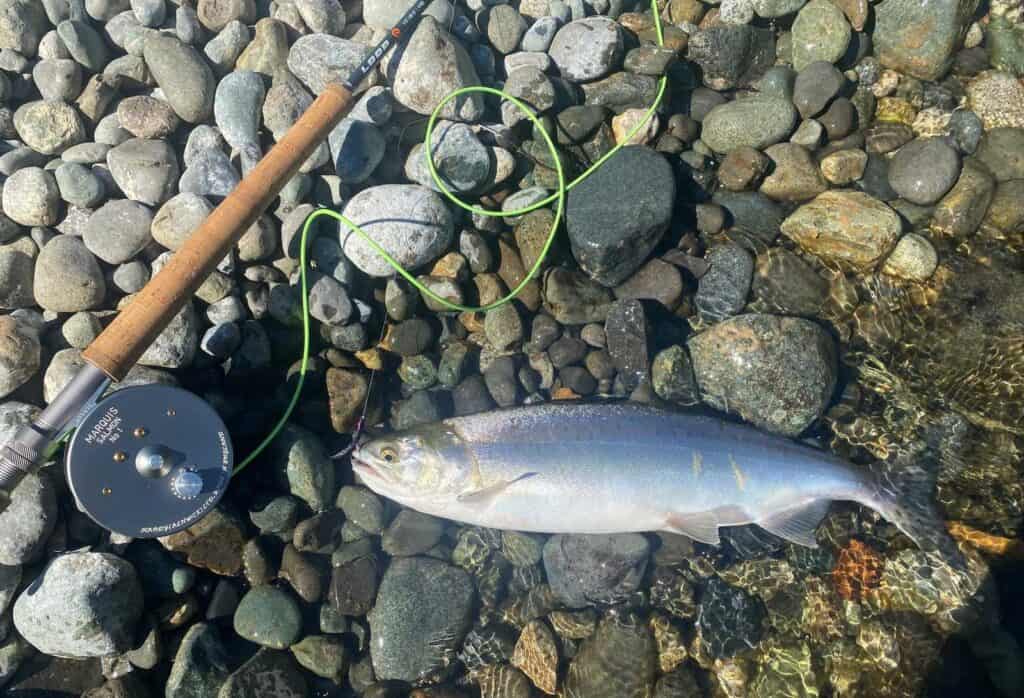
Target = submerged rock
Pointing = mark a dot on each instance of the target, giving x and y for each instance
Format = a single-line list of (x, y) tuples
[(422, 613)]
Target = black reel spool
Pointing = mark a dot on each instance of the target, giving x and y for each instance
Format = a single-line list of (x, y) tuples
[(149, 460)]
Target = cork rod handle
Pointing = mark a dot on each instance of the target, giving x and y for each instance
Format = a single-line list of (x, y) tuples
[(121, 344)]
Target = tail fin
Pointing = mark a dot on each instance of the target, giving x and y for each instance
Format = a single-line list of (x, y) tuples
[(906, 499)]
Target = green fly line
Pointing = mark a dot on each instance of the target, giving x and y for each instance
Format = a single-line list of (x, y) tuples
[(558, 198)]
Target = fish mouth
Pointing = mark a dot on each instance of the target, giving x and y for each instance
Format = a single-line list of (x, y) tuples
[(365, 469)]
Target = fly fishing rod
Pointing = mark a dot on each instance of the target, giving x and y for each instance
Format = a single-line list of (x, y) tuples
[(151, 460)]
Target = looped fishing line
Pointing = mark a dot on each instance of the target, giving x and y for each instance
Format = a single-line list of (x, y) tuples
[(558, 197)]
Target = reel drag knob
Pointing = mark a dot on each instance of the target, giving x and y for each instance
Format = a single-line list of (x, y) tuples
[(187, 484)]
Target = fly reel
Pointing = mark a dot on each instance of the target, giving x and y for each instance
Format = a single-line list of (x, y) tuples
[(149, 460)]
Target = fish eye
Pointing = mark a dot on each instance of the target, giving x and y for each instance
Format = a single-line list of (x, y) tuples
[(389, 454)]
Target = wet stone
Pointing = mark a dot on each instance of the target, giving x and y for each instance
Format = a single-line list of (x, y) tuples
[(722, 291), (354, 586), (268, 616), (672, 376), (626, 332), (731, 55), (756, 122), (730, 620), (848, 227), (620, 659), (778, 373), (632, 199), (268, 672), (325, 656), (200, 665), (820, 33), (584, 570), (82, 605), (418, 597), (924, 170), (536, 655), (411, 533)]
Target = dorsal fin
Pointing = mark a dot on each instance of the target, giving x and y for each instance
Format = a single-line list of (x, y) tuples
[(797, 525)]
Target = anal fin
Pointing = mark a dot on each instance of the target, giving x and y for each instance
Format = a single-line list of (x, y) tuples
[(797, 525), (702, 526)]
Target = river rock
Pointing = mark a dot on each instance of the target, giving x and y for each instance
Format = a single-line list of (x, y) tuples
[(961, 211), (67, 276), (357, 147), (423, 610), (776, 372), (16, 270), (731, 55), (269, 673), (410, 222), (587, 49), (145, 170), (795, 175), (432, 65), (270, 617), (49, 127), (847, 227), (619, 659), (82, 605), (923, 170), (176, 345), (237, 108), (201, 664), (31, 197), (29, 519), (384, 14), (820, 33), (1002, 151), (118, 231), (302, 465), (756, 122), (22, 25), (595, 569), (919, 38), (619, 213), (178, 218), (213, 543), (184, 77), (320, 59)]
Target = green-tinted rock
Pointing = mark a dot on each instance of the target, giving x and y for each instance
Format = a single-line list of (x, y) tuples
[(672, 376), (200, 666), (620, 659), (1006, 212), (521, 549), (269, 674), (1002, 150), (776, 372), (362, 507), (411, 533), (755, 121), (820, 33), (270, 617), (325, 656), (423, 610), (960, 212), (919, 37), (1005, 45), (302, 464)]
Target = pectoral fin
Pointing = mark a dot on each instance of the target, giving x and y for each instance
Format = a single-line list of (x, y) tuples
[(701, 526), (797, 525), (485, 495)]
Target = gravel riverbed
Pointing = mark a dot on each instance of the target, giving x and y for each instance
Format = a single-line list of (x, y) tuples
[(818, 232)]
